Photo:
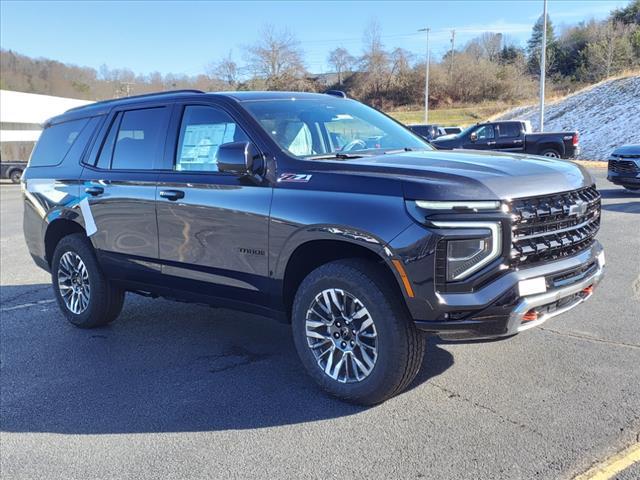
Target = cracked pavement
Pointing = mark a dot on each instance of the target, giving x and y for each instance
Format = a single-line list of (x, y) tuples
[(174, 390)]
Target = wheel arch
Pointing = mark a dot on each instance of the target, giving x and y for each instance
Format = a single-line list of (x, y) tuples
[(311, 254), (56, 231), (550, 145)]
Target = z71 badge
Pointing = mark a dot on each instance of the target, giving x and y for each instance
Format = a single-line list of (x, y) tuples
[(294, 177)]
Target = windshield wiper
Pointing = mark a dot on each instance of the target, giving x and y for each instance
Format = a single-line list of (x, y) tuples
[(397, 150), (336, 156)]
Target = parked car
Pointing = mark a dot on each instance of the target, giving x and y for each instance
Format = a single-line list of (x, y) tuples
[(512, 136), (242, 200), (428, 132), (12, 170), (624, 167), (452, 130)]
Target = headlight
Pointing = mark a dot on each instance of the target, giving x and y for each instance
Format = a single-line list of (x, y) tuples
[(468, 255)]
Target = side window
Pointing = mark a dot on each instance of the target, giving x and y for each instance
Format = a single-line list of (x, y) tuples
[(485, 132), (56, 141), (139, 140), (202, 131), (509, 130), (104, 159)]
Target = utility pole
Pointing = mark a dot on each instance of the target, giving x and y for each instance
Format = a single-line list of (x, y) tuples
[(543, 63), (128, 86), (453, 48), (426, 81)]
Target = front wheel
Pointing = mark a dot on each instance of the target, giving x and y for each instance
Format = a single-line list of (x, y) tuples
[(353, 334), (85, 296)]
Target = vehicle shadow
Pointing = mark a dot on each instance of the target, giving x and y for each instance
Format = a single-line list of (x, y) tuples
[(161, 367), (618, 193)]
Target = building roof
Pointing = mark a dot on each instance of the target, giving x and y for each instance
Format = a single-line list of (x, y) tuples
[(31, 108)]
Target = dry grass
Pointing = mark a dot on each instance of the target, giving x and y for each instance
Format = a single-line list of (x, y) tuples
[(458, 116), (592, 163)]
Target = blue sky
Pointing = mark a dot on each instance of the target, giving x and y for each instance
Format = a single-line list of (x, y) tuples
[(183, 37)]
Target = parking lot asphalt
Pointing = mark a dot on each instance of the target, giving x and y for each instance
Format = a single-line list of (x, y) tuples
[(173, 390)]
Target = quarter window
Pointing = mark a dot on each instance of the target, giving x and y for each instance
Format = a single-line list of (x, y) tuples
[(56, 141), (202, 132)]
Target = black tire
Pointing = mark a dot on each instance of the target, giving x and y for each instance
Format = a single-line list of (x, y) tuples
[(15, 175), (400, 345), (551, 153), (105, 301)]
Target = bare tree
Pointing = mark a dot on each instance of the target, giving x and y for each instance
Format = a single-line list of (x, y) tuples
[(375, 62), (341, 61), (225, 70), (277, 58)]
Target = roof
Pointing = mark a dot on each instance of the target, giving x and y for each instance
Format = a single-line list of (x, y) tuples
[(271, 95), (102, 107)]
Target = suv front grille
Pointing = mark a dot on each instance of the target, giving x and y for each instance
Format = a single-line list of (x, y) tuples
[(550, 227), (623, 166)]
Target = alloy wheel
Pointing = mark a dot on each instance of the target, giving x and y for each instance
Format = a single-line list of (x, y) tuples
[(342, 336), (73, 282)]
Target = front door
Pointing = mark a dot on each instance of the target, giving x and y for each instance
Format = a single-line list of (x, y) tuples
[(213, 226), (483, 138), (120, 188)]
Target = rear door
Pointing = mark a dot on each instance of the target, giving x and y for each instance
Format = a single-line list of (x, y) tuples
[(120, 185), (213, 226), (510, 137)]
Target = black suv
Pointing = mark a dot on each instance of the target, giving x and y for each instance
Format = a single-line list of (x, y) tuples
[(246, 200)]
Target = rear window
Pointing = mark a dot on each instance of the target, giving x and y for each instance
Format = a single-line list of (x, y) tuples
[(56, 141)]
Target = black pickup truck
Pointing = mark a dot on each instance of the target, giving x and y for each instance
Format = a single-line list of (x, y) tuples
[(512, 136), (245, 200)]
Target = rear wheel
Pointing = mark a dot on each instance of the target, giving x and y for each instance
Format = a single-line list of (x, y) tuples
[(15, 175), (550, 152), (85, 296), (353, 334)]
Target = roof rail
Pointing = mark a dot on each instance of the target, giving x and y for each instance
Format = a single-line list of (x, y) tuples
[(144, 95), (336, 93)]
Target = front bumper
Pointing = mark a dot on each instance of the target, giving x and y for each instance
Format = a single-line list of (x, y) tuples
[(498, 310), (631, 179)]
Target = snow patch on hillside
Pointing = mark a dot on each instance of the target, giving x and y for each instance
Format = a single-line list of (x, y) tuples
[(607, 115)]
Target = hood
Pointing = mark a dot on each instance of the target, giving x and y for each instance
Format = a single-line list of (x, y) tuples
[(471, 175), (448, 136), (446, 140), (627, 150)]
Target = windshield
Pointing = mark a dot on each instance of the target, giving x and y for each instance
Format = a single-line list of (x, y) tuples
[(466, 131), (309, 128)]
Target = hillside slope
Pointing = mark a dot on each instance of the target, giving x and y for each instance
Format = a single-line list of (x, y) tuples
[(607, 115)]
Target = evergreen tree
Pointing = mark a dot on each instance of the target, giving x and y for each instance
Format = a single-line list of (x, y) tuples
[(534, 46)]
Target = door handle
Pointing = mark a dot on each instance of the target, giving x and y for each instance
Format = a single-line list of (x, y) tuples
[(94, 191), (172, 195)]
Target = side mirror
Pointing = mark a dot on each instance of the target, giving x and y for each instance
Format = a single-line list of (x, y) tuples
[(473, 137), (241, 158)]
